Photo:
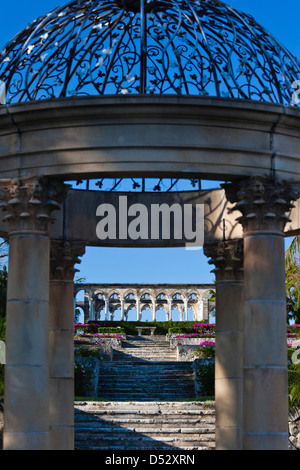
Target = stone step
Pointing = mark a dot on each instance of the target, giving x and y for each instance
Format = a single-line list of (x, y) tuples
[(144, 384), (145, 351), (145, 379), (159, 386), (160, 423), (150, 437), (150, 426), (136, 442), (137, 358), (149, 431), (133, 448), (148, 415), (154, 406), (146, 398)]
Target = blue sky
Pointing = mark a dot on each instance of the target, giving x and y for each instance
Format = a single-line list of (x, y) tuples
[(156, 265)]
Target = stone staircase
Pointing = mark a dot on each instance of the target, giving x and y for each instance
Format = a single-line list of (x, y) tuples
[(145, 426), (146, 348), (143, 385), (146, 369)]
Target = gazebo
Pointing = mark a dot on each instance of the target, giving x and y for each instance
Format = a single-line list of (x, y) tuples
[(148, 89)]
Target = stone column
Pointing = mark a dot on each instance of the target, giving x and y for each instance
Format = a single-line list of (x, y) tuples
[(86, 307), (170, 310), (206, 310), (106, 309), (228, 260), (185, 309), (122, 309), (200, 315), (63, 256), (153, 310), (29, 203), (264, 203), (138, 310), (92, 314)]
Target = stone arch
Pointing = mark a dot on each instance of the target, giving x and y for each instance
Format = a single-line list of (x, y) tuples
[(79, 314), (161, 312), (149, 314), (99, 294), (113, 295)]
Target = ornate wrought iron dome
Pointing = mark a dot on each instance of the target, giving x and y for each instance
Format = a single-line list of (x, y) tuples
[(186, 47)]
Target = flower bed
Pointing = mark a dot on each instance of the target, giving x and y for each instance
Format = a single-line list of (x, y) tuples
[(293, 329), (206, 350), (205, 329)]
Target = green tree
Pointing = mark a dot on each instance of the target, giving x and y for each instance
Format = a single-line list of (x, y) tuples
[(3, 288), (292, 253), (292, 269)]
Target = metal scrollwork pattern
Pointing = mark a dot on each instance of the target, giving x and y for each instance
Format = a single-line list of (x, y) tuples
[(188, 47)]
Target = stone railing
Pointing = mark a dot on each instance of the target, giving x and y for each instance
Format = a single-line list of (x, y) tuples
[(191, 341)]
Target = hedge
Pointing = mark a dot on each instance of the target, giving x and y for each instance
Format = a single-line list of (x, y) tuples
[(94, 328), (129, 327), (178, 330)]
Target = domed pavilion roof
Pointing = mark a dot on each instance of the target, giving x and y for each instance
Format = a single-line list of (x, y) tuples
[(183, 47)]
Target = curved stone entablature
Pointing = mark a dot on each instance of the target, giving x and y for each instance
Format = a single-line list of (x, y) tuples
[(209, 137)]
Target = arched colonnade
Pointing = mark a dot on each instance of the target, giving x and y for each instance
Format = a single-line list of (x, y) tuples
[(103, 300)]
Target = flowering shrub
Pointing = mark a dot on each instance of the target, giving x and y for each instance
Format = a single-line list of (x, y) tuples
[(205, 329), (206, 350), (293, 331)]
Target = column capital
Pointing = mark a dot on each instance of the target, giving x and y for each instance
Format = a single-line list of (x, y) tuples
[(227, 256), (29, 202), (264, 202), (63, 257)]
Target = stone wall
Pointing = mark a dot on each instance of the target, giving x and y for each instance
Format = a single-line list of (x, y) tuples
[(105, 346), (294, 430), (174, 342), (186, 352)]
